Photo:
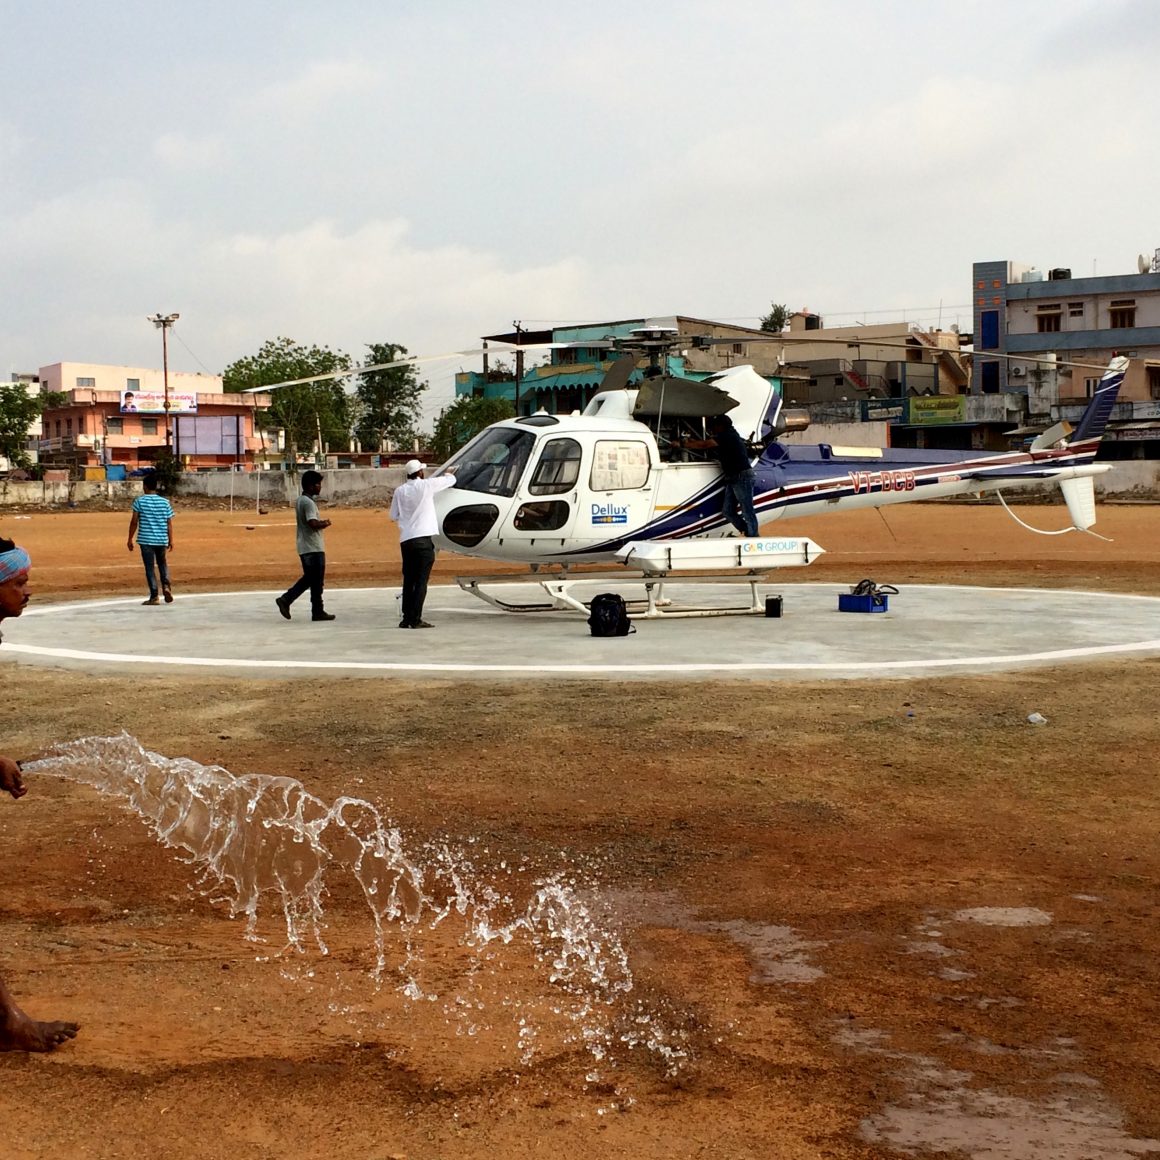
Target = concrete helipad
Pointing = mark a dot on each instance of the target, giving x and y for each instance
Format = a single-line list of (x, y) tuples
[(928, 630)]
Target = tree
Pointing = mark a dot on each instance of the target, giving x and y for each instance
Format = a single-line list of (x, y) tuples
[(307, 413), (387, 402), (17, 410), (777, 318), (501, 372), (167, 471), (465, 418)]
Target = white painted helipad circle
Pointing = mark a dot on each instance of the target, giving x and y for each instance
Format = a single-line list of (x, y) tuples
[(928, 630)]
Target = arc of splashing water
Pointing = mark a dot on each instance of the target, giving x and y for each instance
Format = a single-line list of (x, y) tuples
[(259, 836), (253, 836)]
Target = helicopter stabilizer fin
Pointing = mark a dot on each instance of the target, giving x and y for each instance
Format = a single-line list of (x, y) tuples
[(1080, 496)]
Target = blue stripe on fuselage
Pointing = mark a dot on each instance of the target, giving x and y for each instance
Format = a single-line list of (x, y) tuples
[(792, 476)]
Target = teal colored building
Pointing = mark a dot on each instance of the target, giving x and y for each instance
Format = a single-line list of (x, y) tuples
[(570, 376)]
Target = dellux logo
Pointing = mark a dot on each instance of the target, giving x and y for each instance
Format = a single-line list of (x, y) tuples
[(609, 513)]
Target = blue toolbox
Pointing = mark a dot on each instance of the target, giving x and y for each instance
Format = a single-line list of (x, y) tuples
[(848, 602), (866, 596)]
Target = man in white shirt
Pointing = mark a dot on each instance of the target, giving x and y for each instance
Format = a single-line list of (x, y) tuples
[(413, 509)]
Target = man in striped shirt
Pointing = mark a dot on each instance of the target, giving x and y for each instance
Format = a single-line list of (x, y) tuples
[(152, 523)]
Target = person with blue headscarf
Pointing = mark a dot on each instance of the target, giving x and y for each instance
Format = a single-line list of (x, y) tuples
[(18, 1032), (14, 568)]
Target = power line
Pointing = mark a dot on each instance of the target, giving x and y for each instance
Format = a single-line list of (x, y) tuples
[(743, 319), (177, 335)]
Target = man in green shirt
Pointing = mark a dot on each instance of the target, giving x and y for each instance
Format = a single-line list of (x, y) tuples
[(311, 551)]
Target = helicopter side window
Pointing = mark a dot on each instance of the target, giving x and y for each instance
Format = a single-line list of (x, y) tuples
[(547, 515), (558, 468), (493, 462), (619, 464)]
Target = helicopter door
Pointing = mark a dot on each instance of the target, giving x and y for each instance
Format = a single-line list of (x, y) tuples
[(622, 489), (547, 503)]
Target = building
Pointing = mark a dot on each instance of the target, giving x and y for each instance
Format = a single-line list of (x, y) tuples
[(891, 360), (125, 416), (568, 378), (1055, 321), (892, 373), (910, 383)]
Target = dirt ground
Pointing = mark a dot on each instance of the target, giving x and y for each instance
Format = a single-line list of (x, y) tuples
[(858, 919)]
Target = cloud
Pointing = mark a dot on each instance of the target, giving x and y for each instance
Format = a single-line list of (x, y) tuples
[(372, 283), (319, 84), (182, 152), (1121, 35), (11, 143), (425, 175), (113, 261)]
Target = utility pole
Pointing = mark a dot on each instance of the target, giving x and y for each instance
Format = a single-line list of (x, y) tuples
[(163, 322), (519, 363)]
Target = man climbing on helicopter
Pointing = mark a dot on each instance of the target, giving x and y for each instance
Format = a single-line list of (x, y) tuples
[(733, 455)]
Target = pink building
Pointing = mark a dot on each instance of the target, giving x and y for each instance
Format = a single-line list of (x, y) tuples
[(125, 416)]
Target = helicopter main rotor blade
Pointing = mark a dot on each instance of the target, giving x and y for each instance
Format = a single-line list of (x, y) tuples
[(858, 340), (402, 362), (414, 360), (617, 376)]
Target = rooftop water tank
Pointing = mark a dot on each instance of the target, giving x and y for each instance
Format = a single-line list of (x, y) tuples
[(1032, 276)]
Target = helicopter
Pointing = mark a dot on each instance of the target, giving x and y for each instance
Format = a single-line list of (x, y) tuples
[(578, 488), (616, 485)]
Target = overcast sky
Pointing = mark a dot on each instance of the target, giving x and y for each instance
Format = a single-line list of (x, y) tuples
[(344, 172)]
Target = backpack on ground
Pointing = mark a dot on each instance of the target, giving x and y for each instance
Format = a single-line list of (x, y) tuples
[(608, 615)]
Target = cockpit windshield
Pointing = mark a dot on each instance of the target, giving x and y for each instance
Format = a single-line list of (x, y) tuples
[(492, 462)]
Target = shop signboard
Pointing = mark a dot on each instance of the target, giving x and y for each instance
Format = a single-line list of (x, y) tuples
[(883, 410), (927, 410)]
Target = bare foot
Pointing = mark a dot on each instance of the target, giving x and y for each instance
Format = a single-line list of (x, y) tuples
[(19, 1033)]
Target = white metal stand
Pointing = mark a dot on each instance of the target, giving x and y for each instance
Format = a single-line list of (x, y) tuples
[(714, 562)]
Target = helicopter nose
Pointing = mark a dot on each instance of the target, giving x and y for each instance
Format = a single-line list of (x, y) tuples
[(468, 524)]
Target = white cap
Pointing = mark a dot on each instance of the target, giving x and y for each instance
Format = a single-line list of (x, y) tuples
[(413, 467)]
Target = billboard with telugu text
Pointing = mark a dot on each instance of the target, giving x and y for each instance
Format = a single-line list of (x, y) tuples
[(153, 403)]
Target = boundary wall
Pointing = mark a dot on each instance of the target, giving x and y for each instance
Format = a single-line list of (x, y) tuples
[(359, 485)]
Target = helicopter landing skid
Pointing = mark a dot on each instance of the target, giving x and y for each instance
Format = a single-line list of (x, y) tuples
[(654, 605)]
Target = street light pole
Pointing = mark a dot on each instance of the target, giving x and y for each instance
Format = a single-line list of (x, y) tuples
[(163, 322)]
